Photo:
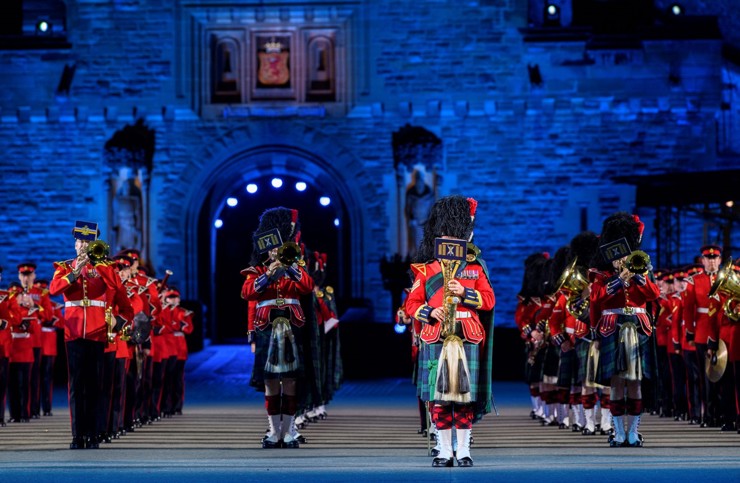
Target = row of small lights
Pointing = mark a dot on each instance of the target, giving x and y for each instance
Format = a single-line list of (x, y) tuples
[(553, 9), (276, 183)]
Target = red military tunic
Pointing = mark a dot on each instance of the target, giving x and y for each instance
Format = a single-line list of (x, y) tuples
[(524, 315), (562, 324), (184, 318), (21, 332), (283, 294), (38, 314), (678, 328), (664, 322), (696, 310), (630, 300), (478, 295), (86, 298), (6, 320), (49, 331)]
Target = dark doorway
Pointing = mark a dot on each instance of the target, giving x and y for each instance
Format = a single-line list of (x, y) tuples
[(322, 227)]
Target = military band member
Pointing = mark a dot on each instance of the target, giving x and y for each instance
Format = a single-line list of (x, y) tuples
[(698, 328), (617, 302), (458, 364), (6, 320), (276, 284), (88, 291), (181, 321), (663, 325), (49, 332), (676, 346), (688, 351)]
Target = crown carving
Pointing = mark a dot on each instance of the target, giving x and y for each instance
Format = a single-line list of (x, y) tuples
[(273, 47)]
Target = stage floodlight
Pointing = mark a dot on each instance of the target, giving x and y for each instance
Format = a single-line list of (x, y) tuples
[(232, 201), (301, 186), (218, 223), (676, 9), (336, 221), (552, 15), (43, 27), (324, 201), (251, 188), (276, 182)]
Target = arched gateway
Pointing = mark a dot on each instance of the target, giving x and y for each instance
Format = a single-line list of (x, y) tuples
[(261, 150)]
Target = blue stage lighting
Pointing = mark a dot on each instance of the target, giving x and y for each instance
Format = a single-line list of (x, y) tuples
[(301, 186), (399, 328), (676, 9), (218, 223), (325, 201), (251, 188), (43, 27), (336, 221), (232, 202), (276, 182)]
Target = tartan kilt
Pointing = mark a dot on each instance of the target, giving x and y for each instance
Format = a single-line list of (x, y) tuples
[(566, 368), (262, 344), (552, 361), (534, 371), (428, 361), (608, 352), (579, 374)]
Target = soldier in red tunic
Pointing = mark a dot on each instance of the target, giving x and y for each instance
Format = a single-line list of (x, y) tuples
[(49, 332), (699, 328), (457, 360), (619, 293), (274, 284), (6, 319), (181, 321), (88, 291)]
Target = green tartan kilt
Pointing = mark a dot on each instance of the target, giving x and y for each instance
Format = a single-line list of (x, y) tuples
[(535, 371), (262, 344), (566, 368), (608, 353), (582, 346), (552, 360), (428, 357)]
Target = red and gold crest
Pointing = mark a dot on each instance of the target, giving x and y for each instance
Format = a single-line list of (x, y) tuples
[(273, 64)]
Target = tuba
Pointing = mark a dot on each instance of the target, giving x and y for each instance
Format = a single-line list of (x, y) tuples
[(289, 253), (637, 262), (572, 281), (728, 283), (97, 251)]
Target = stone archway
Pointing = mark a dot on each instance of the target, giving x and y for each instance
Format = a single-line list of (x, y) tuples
[(239, 155)]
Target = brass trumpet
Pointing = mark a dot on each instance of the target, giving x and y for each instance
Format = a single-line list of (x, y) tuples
[(637, 262), (289, 253), (97, 251), (728, 283)]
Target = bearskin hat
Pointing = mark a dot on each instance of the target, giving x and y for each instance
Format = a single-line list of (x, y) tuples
[(556, 268), (534, 266), (286, 222), (584, 246), (450, 216), (619, 225)]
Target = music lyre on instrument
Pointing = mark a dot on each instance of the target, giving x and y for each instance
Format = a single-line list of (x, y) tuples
[(450, 252)]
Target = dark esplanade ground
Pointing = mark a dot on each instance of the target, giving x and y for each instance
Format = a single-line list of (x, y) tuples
[(370, 435)]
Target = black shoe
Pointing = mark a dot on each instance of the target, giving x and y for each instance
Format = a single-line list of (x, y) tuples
[(727, 427), (92, 443), (77, 443), (47, 413), (562, 426), (532, 415), (694, 421), (434, 452), (301, 439), (35, 416), (467, 461), (104, 438), (576, 428), (422, 432), (269, 444), (2, 424), (587, 432), (25, 420), (291, 444), (442, 462)]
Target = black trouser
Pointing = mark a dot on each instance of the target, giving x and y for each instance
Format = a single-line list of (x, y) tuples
[(36, 382), (4, 361), (47, 382), (664, 372), (156, 394), (19, 390), (106, 394), (167, 403), (726, 395), (178, 385), (85, 369), (115, 423), (678, 375), (693, 386), (132, 390), (145, 396), (708, 388), (736, 374)]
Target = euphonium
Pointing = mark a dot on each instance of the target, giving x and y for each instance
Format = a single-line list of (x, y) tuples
[(637, 262), (572, 281), (97, 251), (728, 282), (289, 253), (449, 267)]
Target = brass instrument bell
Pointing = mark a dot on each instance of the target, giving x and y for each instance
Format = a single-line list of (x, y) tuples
[(728, 283)]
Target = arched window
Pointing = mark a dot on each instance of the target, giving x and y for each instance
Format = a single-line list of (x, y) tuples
[(226, 68), (320, 79)]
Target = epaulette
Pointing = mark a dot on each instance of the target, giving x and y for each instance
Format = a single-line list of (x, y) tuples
[(45, 291), (690, 280), (63, 264), (248, 270), (594, 274), (188, 313), (419, 268)]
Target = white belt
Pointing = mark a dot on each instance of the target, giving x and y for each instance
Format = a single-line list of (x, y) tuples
[(570, 330), (48, 329), (21, 335), (278, 302), (178, 334), (624, 311), (702, 310), (462, 314), (85, 303)]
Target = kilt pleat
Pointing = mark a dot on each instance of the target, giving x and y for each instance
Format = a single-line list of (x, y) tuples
[(428, 357)]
